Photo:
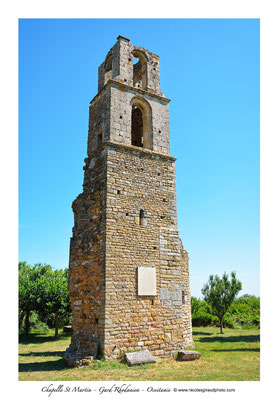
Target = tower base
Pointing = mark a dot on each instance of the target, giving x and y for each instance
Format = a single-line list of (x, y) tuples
[(82, 351)]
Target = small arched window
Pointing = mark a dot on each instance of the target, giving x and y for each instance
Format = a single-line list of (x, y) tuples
[(99, 139), (141, 217)]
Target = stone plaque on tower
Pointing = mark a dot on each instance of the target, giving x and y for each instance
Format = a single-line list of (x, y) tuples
[(128, 271), (147, 281)]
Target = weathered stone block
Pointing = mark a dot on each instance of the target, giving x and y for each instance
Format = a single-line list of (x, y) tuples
[(139, 358), (183, 355)]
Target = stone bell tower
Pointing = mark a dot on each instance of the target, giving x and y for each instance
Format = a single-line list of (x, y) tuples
[(129, 277)]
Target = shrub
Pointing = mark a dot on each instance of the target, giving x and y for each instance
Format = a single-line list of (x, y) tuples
[(202, 318)]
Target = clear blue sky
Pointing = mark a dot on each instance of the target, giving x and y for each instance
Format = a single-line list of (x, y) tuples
[(210, 69)]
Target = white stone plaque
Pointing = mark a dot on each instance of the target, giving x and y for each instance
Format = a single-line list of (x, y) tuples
[(147, 281)]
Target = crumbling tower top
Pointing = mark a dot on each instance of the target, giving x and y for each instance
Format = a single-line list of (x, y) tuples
[(120, 65)]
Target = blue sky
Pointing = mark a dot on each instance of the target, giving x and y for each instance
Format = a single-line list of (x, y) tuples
[(210, 71)]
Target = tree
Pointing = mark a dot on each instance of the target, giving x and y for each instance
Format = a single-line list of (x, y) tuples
[(29, 292), (55, 294), (219, 293), (44, 291)]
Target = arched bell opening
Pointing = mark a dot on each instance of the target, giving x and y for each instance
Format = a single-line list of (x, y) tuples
[(139, 69), (141, 123)]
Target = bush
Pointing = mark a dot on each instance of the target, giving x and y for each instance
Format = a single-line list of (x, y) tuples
[(202, 318)]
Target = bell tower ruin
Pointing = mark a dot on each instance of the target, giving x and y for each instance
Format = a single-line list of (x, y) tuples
[(129, 277)]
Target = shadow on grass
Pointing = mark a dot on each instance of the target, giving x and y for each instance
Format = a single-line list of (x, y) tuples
[(233, 350), (43, 354), (57, 365), (37, 338), (201, 333), (224, 339)]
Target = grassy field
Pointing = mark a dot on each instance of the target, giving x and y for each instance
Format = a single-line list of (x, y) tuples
[(233, 356)]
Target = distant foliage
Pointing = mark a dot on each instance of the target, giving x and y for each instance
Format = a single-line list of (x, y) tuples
[(201, 318), (244, 312), (201, 315)]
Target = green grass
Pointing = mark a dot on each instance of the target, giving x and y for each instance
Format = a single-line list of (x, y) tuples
[(233, 356)]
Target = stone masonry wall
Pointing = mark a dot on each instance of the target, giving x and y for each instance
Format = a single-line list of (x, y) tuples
[(121, 111), (110, 113), (87, 260), (139, 180)]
